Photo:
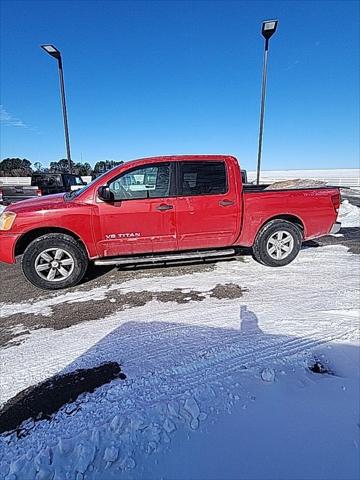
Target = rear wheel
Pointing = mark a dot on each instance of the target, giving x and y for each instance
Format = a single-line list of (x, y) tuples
[(54, 261), (277, 243)]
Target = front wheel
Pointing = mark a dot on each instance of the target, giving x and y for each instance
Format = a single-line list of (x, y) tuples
[(277, 243), (54, 261)]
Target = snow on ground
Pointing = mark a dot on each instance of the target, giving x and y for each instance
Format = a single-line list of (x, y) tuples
[(349, 215), (217, 388)]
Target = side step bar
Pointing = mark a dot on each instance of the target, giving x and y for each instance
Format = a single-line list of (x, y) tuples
[(166, 258)]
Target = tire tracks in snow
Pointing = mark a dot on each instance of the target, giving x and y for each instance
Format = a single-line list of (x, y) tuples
[(231, 360), (235, 353)]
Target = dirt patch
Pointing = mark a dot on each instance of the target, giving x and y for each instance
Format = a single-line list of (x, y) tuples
[(14, 328), (41, 401), (229, 290), (96, 276), (319, 367)]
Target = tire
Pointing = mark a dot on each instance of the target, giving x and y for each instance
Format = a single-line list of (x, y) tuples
[(54, 261), (277, 243)]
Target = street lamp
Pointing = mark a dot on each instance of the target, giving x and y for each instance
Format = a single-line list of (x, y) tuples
[(54, 52), (268, 29)]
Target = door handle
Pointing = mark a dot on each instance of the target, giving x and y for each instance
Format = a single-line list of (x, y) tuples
[(226, 203), (164, 207)]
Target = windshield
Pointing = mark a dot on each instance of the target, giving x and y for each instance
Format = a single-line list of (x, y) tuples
[(76, 193)]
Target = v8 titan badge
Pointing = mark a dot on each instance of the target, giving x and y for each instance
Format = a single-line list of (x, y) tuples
[(116, 236)]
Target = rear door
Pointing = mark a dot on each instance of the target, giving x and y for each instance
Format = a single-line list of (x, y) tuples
[(141, 219), (208, 206)]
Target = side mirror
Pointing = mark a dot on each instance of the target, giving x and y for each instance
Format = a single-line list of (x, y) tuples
[(106, 194)]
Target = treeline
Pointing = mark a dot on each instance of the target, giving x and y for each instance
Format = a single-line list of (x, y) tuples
[(21, 167)]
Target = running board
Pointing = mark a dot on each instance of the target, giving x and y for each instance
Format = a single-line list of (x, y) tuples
[(166, 258)]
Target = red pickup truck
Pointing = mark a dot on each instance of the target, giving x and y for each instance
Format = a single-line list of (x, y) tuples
[(162, 209)]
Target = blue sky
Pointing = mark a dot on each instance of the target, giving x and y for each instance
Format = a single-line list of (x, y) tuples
[(148, 78)]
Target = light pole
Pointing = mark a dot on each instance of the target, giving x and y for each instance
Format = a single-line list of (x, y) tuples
[(54, 52), (268, 29)]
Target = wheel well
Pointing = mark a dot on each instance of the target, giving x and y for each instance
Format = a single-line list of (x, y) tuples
[(289, 218), (28, 237)]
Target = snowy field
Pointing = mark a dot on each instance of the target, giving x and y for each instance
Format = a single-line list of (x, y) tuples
[(345, 177), (218, 385)]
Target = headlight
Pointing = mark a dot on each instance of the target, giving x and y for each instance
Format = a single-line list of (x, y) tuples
[(6, 220)]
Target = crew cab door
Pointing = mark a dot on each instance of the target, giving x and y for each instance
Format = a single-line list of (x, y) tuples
[(141, 219), (208, 205)]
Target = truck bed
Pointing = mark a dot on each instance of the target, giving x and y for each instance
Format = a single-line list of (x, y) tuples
[(16, 193), (309, 207), (251, 188)]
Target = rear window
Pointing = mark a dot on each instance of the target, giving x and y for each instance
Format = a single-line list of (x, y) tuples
[(202, 178), (43, 181)]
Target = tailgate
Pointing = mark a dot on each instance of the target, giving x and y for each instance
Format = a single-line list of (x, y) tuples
[(16, 193)]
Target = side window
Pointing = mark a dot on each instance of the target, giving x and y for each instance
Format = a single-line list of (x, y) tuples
[(71, 180), (144, 182), (202, 178)]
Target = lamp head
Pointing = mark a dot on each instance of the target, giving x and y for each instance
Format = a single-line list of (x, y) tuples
[(269, 28), (51, 50)]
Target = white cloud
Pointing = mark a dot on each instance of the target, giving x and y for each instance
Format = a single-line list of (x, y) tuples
[(8, 120)]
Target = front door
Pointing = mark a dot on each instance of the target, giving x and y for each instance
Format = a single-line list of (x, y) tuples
[(208, 207), (141, 219)]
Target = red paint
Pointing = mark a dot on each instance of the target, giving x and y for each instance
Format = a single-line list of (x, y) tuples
[(194, 222), (157, 229)]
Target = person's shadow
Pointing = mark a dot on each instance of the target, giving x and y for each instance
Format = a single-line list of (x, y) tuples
[(249, 322)]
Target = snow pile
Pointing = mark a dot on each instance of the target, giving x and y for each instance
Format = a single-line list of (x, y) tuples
[(349, 215), (296, 183)]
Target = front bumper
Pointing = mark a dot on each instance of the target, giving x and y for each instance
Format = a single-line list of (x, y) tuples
[(7, 247), (335, 228)]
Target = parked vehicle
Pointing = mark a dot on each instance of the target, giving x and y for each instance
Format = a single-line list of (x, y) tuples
[(50, 183), (162, 209), (16, 193)]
